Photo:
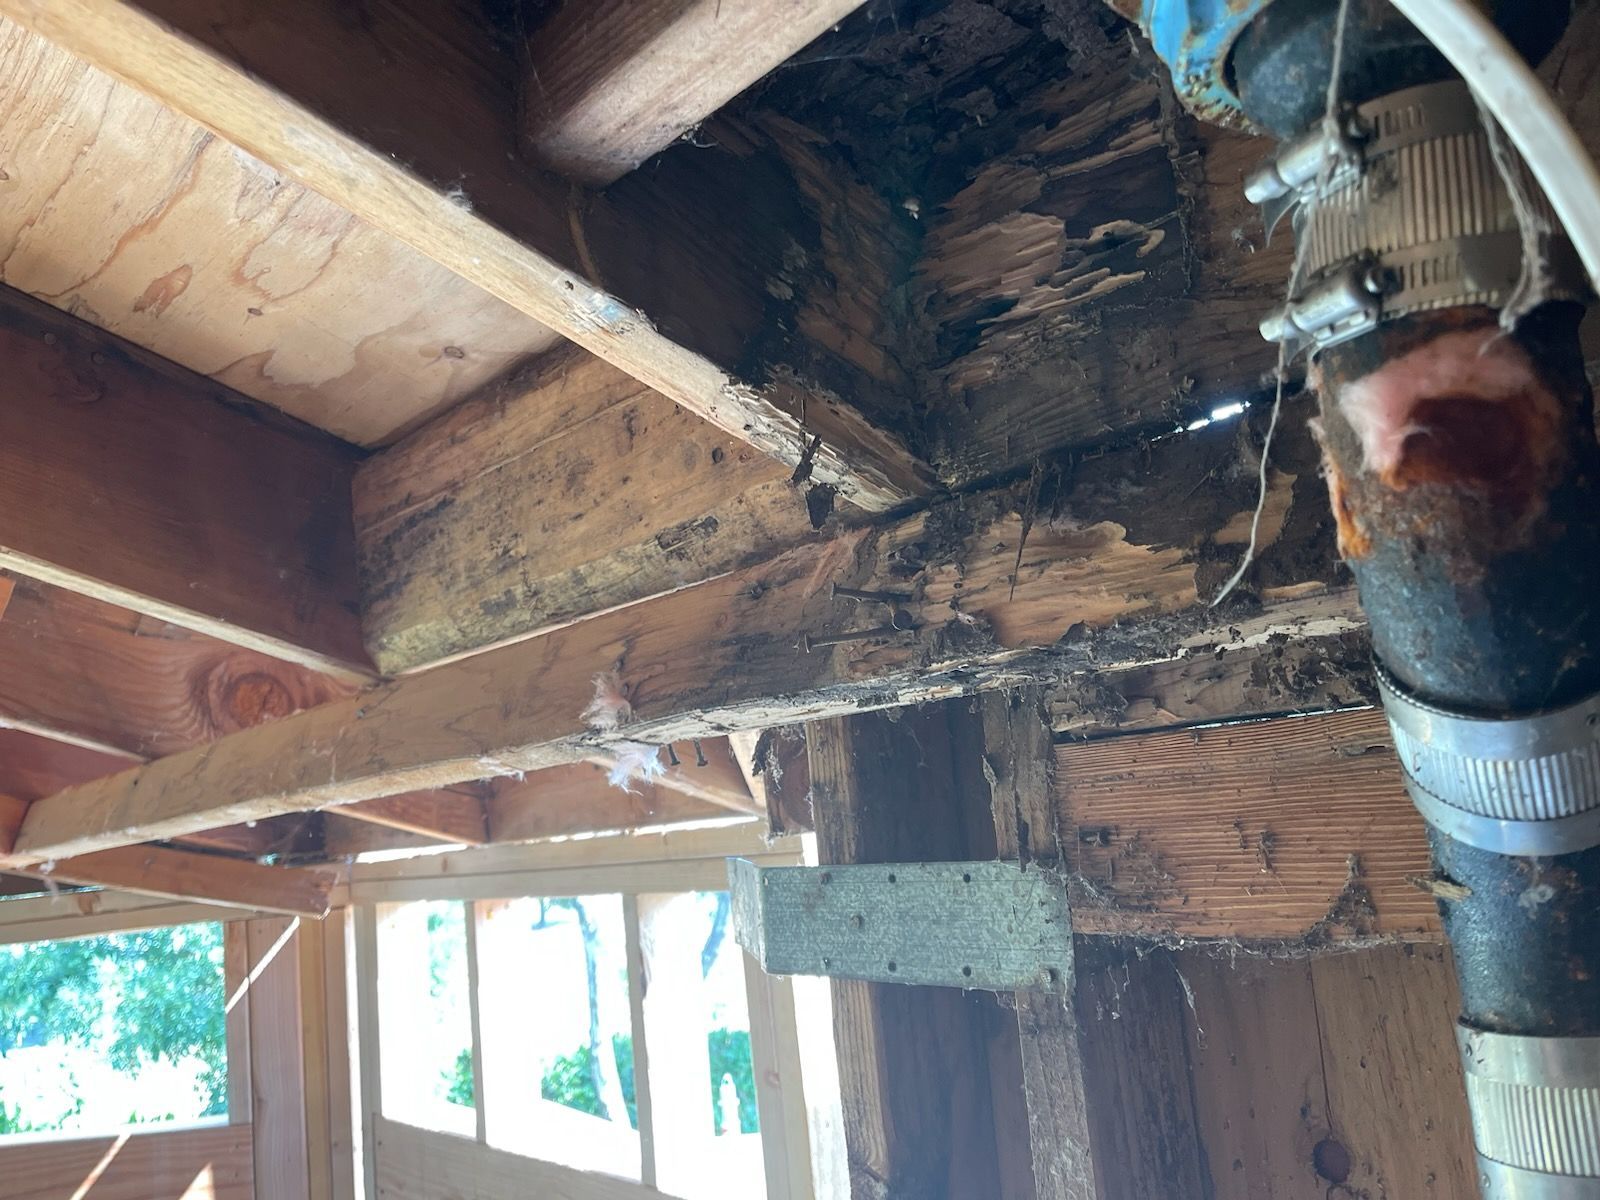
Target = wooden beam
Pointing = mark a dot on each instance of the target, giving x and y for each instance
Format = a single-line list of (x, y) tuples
[(71, 913), (607, 86), (1120, 578), (210, 878), (716, 780), (135, 482), (579, 799), (312, 96), (446, 814), (134, 1164), (80, 670), (1320, 674), (565, 489), (1297, 830)]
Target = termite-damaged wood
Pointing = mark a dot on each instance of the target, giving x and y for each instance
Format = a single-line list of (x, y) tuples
[(1296, 831), (1320, 674), (1116, 570), (564, 489)]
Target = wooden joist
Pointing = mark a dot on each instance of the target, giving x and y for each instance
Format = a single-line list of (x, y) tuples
[(606, 86), (209, 878), (81, 670), (1295, 830), (565, 489), (1117, 577), (312, 96), (579, 799), (448, 814), (134, 482)]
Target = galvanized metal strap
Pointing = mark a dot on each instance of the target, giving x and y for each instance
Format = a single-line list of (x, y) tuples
[(986, 925)]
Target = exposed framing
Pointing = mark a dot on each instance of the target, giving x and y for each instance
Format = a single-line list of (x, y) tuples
[(682, 861)]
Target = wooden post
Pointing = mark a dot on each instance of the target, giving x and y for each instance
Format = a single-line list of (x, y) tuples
[(914, 1066), (1110, 1111)]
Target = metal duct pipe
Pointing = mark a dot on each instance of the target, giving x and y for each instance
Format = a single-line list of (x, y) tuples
[(1464, 478)]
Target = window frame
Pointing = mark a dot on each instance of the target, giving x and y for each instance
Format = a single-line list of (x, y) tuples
[(691, 860)]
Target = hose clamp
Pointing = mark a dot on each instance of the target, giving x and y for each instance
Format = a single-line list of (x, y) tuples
[(1535, 1104), (1519, 785), (1410, 206)]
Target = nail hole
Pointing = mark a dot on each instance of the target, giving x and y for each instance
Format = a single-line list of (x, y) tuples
[(1331, 1160), (893, 968), (891, 876), (826, 877), (966, 877), (966, 970)]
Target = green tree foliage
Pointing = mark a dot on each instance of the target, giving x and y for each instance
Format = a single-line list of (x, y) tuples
[(569, 1080), (458, 1081), (135, 997)]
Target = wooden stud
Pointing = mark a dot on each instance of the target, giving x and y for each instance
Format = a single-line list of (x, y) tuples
[(369, 1057), (278, 1062), (919, 1118), (236, 967), (643, 1106), (469, 918)]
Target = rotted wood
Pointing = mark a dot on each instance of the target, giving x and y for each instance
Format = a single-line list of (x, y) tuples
[(566, 488), (1319, 674), (1116, 567), (313, 97)]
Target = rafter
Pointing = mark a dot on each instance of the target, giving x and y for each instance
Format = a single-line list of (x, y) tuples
[(312, 96), (1124, 586), (81, 670), (135, 482), (606, 86), (187, 875)]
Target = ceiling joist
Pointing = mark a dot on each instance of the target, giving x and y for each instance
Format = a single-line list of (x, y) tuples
[(606, 86), (674, 289), (137, 483)]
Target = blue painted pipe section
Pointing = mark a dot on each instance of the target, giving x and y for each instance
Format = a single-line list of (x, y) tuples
[(1194, 38)]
